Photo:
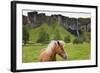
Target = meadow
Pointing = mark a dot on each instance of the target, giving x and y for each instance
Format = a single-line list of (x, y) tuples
[(31, 52)]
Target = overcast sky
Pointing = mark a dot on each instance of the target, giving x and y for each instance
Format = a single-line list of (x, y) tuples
[(67, 13)]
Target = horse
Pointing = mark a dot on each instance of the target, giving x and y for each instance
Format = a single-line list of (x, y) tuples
[(49, 53)]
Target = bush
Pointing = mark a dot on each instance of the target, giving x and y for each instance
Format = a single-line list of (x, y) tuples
[(77, 41), (43, 36), (87, 36), (25, 34), (67, 39)]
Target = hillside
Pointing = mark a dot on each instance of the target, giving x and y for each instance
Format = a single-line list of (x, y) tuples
[(51, 30)]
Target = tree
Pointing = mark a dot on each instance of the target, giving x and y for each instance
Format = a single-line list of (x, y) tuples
[(43, 36), (67, 39), (25, 34), (78, 41), (87, 36)]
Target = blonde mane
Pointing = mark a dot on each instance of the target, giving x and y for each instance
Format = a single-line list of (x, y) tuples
[(52, 45)]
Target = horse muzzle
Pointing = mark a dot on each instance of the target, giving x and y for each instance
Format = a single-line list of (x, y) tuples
[(65, 57)]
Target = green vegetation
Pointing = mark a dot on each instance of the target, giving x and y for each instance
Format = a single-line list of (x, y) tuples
[(87, 36), (30, 53), (67, 39), (42, 36), (78, 41), (57, 35), (25, 34), (52, 32)]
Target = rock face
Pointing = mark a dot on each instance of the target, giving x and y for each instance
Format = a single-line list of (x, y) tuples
[(25, 20), (74, 25)]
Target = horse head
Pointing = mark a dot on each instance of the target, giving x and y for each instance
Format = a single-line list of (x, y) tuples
[(60, 49)]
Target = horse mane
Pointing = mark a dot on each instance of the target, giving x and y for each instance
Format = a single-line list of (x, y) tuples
[(52, 45)]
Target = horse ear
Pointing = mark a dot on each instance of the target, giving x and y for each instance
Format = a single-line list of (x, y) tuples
[(58, 43)]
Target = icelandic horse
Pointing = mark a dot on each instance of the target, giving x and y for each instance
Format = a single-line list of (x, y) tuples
[(49, 53)]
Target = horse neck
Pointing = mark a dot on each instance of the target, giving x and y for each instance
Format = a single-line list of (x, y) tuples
[(54, 51), (51, 50), (53, 54)]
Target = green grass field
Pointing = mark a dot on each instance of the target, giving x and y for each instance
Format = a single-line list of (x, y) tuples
[(31, 52)]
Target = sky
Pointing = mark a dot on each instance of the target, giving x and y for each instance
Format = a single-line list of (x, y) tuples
[(67, 13)]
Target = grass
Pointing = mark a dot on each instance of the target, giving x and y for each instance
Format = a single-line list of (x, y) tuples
[(30, 53), (78, 51)]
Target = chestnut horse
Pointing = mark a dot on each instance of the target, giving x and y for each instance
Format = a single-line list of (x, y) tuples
[(49, 53)]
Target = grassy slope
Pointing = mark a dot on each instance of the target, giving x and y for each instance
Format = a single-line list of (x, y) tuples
[(35, 32)]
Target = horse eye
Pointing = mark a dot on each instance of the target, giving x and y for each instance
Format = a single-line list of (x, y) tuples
[(62, 48)]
